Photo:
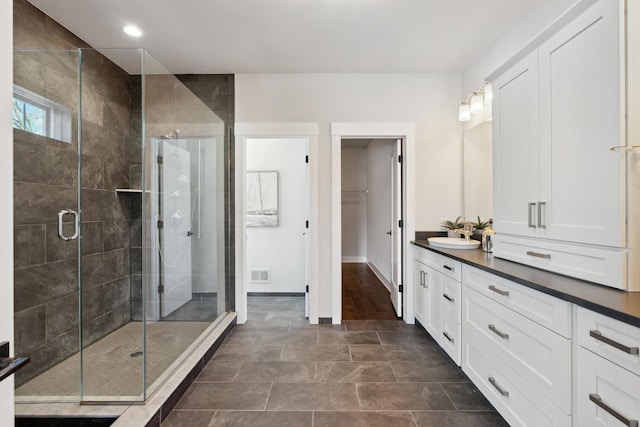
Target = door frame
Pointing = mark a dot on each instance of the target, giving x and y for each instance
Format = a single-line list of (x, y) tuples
[(244, 131), (372, 130)]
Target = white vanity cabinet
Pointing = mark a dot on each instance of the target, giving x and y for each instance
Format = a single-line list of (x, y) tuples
[(517, 348), (607, 372), (559, 191), (437, 298)]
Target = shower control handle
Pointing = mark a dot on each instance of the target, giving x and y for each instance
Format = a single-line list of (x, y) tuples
[(75, 224)]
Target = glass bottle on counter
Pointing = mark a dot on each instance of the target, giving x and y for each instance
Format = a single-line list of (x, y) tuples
[(487, 237)]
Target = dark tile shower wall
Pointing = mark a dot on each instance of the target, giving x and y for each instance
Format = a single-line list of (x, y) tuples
[(45, 181)]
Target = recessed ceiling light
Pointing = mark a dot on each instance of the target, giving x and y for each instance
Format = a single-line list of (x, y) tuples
[(132, 30)]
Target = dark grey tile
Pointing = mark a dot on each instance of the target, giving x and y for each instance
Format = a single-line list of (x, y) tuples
[(40, 204), (219, 371), (316, 352), (377, 325), (262, 419), (103, 205), (92, 237), (46, 282), (47, 355), (245, 396), (60, 166), (459, 419), (276, 372), (182, 418), (403, 396), (436, 370), (104, 267), (406, 337), (237, 337), (466, 396), (28, 245), (27, 72), (249, 353), (30, 329), (354, 372), (28, 161), (92, 172), (289, 337), (100, 300), (337, 337), (362, 419), (58, 249), (116, 235), (97, 328), (388, 352), (314, 396), (62, 315)]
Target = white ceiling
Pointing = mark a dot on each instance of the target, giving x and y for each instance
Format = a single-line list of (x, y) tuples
[(295, 36)]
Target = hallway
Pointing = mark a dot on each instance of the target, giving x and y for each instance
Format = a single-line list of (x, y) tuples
[(280, 371), (364, 297)]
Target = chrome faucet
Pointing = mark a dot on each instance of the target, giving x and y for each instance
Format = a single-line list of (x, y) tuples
[(467, 231)]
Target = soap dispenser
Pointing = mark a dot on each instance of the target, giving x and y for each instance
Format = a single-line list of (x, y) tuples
[(487, 237)]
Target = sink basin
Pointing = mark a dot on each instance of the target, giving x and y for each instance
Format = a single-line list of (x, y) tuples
[(453, 243)]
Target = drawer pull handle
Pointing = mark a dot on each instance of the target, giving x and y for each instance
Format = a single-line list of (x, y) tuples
[(595, 398), (493, 329), (448, 267), (538, 255), (498, 291), (598, 335), (446, 335), (447, 297), (497, 387)]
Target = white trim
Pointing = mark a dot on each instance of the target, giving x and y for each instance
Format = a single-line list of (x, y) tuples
[(380, 276), (406, 131), (275, 130)]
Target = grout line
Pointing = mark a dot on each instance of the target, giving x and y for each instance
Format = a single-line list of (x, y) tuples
[(268, 396), (449, 397), (394, 372)]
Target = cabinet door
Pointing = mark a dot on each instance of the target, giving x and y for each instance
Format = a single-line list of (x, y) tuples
[(420, 292), (581, 117), (433, 323), (515, 147)]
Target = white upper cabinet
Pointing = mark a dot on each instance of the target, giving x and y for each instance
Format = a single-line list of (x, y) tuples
[(515, 147), (581, 193)]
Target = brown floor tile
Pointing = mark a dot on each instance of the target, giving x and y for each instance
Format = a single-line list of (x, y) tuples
[(354, 372), (248, 352), (459, 419), (377, 325), (304, 324), (219, 370), (225, 396), (276, 372), (405, 396), (465, 396), (295, 337), (336, 397), (316, 352), (179, 418), (421, 371), (362, 419), (384, 353), (333, 338), (262, 419)]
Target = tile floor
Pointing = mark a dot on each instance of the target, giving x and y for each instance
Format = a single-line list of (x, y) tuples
[(277, 370)]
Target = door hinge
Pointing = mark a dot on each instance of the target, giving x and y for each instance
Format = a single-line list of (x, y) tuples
[(400, 158), (306, 159), (160, 223), (307, 288), (159, 159), (306, 224), (400, 224), (161, 289), (401, 288)]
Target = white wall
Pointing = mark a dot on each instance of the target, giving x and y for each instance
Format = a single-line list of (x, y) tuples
[(429, 100), (379, 205), (6, 193), (280, 248), (354, 204)]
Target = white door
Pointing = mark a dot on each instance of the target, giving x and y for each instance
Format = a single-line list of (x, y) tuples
[(396, 227), (175, 231)]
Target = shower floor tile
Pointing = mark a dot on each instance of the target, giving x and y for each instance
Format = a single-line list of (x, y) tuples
[(113, 365)]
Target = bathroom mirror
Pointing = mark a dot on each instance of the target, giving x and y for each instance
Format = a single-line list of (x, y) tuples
[(477, 173)]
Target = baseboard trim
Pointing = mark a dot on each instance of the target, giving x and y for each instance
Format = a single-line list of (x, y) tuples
[(380, 276), (275, 294)]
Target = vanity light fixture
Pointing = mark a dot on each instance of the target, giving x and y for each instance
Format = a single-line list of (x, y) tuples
[(475, 102), (132, 30)]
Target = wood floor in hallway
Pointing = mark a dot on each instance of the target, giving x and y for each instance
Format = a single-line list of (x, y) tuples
[(364, 297)]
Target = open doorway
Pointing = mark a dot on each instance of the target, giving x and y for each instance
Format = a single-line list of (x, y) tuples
[(371, 224)]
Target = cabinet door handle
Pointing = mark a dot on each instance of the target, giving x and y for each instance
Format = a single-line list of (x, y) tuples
[(493, 329), (530, 208), (598, 335), (539, 255), (446, 335), (448, 267), (422, 277), (497, 387), (541, 206), (595, 398), (447, 297), (498, 291)]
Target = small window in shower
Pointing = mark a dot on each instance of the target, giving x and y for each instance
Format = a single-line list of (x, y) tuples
[(41, 116)]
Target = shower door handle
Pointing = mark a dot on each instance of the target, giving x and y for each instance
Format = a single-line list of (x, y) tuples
[(75, 224)]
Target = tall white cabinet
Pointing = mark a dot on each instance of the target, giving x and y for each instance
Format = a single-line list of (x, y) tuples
[(559, 191)]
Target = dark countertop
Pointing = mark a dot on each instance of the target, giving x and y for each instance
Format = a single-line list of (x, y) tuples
[(621, 305)]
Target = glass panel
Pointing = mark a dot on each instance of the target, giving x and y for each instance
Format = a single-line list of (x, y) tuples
[(46, 266)]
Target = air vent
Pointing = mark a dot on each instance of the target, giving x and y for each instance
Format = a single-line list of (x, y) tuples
[(260, 275)]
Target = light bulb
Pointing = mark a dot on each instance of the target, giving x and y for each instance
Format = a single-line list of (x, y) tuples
[(464, 114), (477, 104), (488, 93)]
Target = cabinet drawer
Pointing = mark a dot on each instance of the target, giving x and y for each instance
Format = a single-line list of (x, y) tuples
[(604, 266), (540, 356), (517, 401), (451, 298), (450, 340), (445, 265), (604, 389), (548, 311), (618, 341)]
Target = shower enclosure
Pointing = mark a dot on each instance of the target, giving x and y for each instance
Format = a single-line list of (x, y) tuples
[(121, 214)]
